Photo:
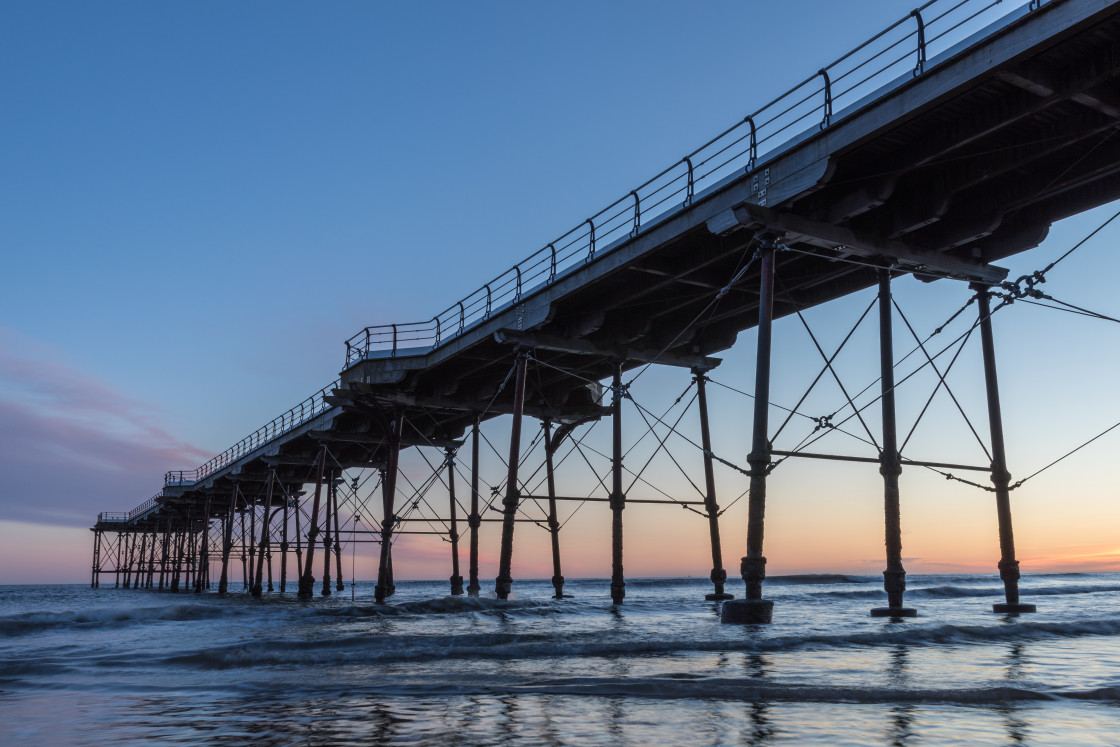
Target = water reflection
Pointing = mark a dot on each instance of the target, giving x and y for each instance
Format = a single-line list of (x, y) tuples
[(901, 726), (759, 729), (757, 665)]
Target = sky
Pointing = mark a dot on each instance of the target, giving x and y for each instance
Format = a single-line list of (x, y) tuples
[(202, 201)]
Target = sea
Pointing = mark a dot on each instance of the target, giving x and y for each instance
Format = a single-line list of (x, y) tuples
[(82, 666)]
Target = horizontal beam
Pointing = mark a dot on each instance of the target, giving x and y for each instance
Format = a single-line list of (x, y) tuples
[(615, 352), (915, 258), (347, 399), (606, 500), (875, 460)]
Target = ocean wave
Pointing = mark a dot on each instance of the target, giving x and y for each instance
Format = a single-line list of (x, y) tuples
[(372, 648), (753, 690), (820, 578), (449, 605), (949, 591), (34, 622)]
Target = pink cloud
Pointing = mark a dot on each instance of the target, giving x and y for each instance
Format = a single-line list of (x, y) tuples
[(72, 446)]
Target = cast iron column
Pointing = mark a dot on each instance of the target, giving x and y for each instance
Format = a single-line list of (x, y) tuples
[(339, 586), (890, 463), (284, 547), (553, 522), (306, 580), (331, 487), (474, 520), (504, 580), (754, 609), (227, 543), (618, 498), (263, 546), (719, 575), (456, 579), (384, 586), (1001, 478)]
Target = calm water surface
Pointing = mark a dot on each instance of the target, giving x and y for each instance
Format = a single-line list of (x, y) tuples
[(82, 666)]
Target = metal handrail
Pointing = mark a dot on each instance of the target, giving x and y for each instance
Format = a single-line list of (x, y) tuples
[(306, 410), (734, 150)]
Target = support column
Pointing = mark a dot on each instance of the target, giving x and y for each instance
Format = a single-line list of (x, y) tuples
[(618, 498), (719, 575), (504, 581), (339, 586), (456, 579), (129, 550), (307, 581), (553, 521), (152, 557), (138, 579), (474, 520), (331, 487), (299, 540), (755, 609), (384, 586), (227, 542), (251, 578), (263, 546), (96, 569), (177, 564), (890, 463), (1001, 478), (244, 545), (203, 551), (284, 548), (163, 556)]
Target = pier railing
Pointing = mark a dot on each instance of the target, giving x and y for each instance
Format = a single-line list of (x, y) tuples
[(310, 408), (896, 54)]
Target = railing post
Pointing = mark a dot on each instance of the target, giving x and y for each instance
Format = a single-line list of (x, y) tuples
[(920, 67), (552, 267), (754, 143), (827, 119), (591, 242), (691, 183), (637, 212)]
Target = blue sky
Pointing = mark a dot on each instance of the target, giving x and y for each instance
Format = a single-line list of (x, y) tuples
[(202, 201)]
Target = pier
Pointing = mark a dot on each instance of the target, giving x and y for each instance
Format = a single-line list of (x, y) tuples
[(946, 143)]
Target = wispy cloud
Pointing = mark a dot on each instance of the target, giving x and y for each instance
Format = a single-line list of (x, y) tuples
[(70, 444)]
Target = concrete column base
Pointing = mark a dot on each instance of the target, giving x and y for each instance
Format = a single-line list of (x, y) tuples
[(718, 597), (746, 611), (1003, 607), (893, 612)]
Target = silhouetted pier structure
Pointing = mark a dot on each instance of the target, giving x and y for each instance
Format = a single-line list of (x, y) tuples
[(949, 141)]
